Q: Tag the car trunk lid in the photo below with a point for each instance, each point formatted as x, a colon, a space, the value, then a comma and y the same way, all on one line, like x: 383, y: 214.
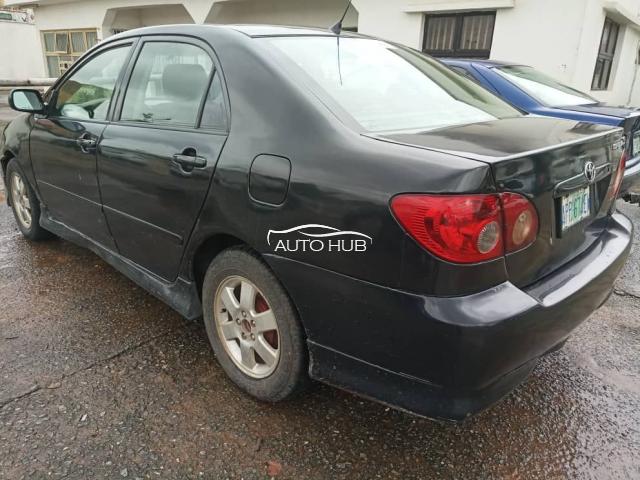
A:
x: 629, y: 119
x: 604, y: 109
x: 543, y: 159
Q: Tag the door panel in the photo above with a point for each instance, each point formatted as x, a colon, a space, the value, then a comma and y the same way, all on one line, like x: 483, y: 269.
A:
x: 63, y: 145
x: 156, y: 162
x: 151, y: 201
x: 67, y: 176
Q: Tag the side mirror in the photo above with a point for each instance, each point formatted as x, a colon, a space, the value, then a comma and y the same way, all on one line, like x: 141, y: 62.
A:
x: 26, y: 100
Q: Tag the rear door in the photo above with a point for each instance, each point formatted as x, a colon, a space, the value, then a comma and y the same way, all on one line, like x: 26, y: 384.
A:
x: 157, y: 158
x: 63, y: 143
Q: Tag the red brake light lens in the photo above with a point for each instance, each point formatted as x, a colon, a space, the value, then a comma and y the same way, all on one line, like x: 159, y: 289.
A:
x: 468, y: 228
x: 458, y: 228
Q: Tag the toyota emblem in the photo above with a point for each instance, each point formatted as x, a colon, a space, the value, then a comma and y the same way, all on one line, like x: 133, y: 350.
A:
x: 590, y: 172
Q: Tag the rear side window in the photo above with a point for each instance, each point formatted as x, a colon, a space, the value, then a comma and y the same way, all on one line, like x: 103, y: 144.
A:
x: 87, y: 93
x: 167, y: 85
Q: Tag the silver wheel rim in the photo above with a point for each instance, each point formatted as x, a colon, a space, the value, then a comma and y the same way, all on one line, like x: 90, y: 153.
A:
x: 20, y: 200
x: 247, y: 327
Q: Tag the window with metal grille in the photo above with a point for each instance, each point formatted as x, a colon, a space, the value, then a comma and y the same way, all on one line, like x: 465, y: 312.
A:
x: 468, y: 34
x: 606, y: 53
x: 63, y: 47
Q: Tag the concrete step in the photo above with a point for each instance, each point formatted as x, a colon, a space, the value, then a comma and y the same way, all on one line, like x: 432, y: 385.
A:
x: 29, y: 82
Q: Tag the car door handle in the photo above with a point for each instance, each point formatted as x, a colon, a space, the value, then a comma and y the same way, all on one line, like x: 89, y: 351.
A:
x: 86, y: 143
x: 190, y: 161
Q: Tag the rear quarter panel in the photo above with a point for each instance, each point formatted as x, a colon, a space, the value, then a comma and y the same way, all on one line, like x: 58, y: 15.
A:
x: 339, y: 178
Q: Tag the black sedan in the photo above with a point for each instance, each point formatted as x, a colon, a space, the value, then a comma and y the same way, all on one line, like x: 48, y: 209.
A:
x: 336, y: 207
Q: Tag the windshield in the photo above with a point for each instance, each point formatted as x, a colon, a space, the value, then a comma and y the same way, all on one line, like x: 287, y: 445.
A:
x: 389, y: 88
x: 544, y: 88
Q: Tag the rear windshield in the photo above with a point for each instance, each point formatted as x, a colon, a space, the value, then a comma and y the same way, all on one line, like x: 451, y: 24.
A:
x: 544, y: 88
x: 384, y: 87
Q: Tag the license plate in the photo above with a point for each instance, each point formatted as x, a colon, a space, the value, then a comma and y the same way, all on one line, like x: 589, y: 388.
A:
x: 576, y: 207
x: 636, y: 144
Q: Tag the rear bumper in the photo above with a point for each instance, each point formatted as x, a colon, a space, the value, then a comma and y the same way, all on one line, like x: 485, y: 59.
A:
x: 446, y: 357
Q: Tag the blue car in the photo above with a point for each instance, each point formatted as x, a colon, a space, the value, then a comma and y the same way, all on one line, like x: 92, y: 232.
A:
x: 536, y: 93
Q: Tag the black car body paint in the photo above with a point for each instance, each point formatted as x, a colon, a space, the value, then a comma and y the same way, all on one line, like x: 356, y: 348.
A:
x: 393, y: 322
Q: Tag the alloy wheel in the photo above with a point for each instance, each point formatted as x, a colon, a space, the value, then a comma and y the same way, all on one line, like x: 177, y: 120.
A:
x: 247, y: 327
x: 20, y: 200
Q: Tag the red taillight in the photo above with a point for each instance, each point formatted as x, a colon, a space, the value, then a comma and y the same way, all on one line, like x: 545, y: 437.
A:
x: 468, y: 228
x: 614, y: 190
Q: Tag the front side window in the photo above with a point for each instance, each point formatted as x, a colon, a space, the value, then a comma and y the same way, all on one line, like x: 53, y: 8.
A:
x: 544, y: 88
x: 87, y: 93
x: 385, y: 87
x: 167, y: 85
x: 606, y: 53
x: 467, y: 34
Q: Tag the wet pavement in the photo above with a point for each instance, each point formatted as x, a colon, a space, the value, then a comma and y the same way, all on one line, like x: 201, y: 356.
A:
x: 98, y: 379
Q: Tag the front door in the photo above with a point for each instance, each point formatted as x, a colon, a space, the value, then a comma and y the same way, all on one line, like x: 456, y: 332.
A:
x: 63, y: 143
x: 157, y: 158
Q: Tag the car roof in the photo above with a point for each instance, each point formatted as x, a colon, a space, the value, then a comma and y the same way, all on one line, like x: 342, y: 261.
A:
x: 254, y: 30
x: 249, y: 30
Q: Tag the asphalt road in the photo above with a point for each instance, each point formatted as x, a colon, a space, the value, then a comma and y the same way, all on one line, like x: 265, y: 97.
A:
x: 98, y: 379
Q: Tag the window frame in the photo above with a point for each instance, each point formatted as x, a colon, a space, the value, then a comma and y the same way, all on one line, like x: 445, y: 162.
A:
x: 199, y: 126
x: 52, y: 97
x: 69, y: 52
x: 216, y: 69
x: 456, y: 51
x: 602, y: 82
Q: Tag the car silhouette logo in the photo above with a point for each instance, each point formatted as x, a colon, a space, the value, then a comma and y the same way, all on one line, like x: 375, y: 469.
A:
x: 590, y: 172
x: 318, y: 238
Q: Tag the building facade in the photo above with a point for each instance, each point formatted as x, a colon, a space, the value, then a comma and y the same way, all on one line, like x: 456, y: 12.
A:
x: 18, y: 35
x: 592, y: 45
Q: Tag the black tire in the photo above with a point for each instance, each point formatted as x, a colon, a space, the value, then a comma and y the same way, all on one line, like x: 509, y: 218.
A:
x: 33, y: 231
x: 290, y: 375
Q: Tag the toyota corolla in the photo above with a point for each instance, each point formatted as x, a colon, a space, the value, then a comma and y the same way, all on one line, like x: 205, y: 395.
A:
x: 334, y: 206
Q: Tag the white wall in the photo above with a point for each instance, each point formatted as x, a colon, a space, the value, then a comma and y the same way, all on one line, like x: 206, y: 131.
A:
x: 129, y: 18
x: 94, y: 13
x: 386, y: 19
x: 624, y: 66
x: 541, y: 33
x: 20, y: 52
x: 624, y: 69
x: 308, y: 13
x: 558, y: 37
x: 562, y: 38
